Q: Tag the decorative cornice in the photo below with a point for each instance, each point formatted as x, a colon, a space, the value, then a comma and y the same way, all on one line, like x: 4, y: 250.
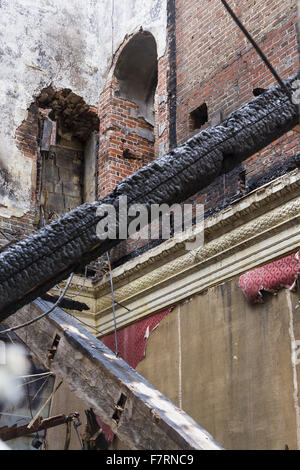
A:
x: 256, y: 229
x: 238, y: 213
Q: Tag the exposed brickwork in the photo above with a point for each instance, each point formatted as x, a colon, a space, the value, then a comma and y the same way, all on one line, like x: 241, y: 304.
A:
x: 126, y: 140
x: 216, y: 65
x: 116, y: 113
x: 207, y: 60
x: 16, y: 228
x: 27, y: 135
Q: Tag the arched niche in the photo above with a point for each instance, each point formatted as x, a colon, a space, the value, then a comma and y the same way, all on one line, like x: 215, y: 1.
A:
x: 136, y: 73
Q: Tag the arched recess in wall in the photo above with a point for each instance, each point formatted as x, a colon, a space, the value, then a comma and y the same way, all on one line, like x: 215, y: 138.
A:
x: 127, y: 114
x: 136, y: 73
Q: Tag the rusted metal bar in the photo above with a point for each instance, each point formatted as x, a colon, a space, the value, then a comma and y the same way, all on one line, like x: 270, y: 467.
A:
x: 256, y: 47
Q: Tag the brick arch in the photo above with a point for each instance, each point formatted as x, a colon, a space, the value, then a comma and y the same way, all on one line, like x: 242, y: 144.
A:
x: 127, y: 112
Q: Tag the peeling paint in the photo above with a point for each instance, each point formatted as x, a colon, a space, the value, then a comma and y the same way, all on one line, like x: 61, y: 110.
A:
x: 49, y: 43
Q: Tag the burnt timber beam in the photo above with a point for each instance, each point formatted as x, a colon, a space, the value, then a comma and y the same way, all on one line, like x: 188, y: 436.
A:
x: 141, y: 416
x: 34, y: 265
x: 69, y: 304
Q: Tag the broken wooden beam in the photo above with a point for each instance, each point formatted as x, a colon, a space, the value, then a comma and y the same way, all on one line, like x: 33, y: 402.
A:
x: 13, y: 432
x: 34, y: 265
x: 141, y: 416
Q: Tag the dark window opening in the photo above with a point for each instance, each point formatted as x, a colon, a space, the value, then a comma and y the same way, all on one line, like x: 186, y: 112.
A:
x: 199, y: 117
x: 136, y: 73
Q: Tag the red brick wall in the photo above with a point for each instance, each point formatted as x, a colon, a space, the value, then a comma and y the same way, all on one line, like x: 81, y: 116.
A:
x: 120, y: 131
x: 28, y: 133
x: 216, y: 65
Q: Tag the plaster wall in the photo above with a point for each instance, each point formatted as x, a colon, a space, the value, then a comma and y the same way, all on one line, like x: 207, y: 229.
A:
x: 66, y: 44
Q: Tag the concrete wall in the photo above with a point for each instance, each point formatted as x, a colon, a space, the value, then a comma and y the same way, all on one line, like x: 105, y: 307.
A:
x: 69, y: 45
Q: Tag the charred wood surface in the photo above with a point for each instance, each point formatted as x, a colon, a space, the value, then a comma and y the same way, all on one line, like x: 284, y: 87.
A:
x: 32, y: 266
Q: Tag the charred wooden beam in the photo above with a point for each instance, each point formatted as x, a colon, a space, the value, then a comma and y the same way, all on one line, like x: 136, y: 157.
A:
x: 137, y: 413
x: 32, y: 266
x: 69, y: 304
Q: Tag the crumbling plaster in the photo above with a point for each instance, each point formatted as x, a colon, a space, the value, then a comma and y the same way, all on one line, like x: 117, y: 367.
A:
x: 67, y: 44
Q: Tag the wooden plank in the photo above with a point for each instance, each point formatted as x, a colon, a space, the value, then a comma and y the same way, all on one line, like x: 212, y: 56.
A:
x: 141, y: 416
x: 46, y: 138
x: 13, y: 432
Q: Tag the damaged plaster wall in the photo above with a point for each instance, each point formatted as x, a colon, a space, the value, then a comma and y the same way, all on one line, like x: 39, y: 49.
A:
x: 69, y: 45
x: 230, y: 365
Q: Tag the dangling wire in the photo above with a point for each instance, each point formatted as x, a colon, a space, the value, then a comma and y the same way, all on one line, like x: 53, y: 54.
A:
x: 73, y: 296
x: 41, y: 388
x: 43, y: 314
x: 113, y: 303
x: 31, y: 382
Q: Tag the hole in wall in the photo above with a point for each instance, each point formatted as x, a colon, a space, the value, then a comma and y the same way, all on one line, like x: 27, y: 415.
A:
x: 229, y: 162
x: 258, y: 91
x: 119, y: 408
x: 199, y: 117
x: 136, y: 72
x: 66, y: 134
x: 53, y: 349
